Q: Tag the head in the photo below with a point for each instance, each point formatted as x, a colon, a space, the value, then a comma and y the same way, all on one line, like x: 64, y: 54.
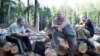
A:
x: 59, y: 15
x: 83, y: 17
x: 21, y: 21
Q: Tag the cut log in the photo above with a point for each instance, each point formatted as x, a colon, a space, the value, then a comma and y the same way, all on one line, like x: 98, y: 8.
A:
x: 85, y: 54
x: 17, y: 55
x: 2, y: 53
x: 96, y: 38
x: 97, y: 46
x: 62, y: 47
x: 7, y: 46
x: 14, y: 49
x: 32, y: 54
x: 37, y: 55
x: 92, y: 52
x: 82, y: 47
x: 63, y: 43
x: 50, y: 52
x: 47, y: 45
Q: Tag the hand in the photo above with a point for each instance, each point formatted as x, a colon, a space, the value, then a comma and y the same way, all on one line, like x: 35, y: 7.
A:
x: 79, y: 28
x: 28, y: 34
x: 54, y: 26
x: 59, y: 29
x: 76, y: 26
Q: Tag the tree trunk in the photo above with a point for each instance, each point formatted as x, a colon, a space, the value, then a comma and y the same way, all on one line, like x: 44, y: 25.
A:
x: 9, y: 12
x: 35, y: 13
x: 28, y: 11
x: 37, y: 23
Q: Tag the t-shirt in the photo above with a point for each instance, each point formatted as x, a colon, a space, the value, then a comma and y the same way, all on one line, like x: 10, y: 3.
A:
x: 89, y: 26
x: 15, y: 28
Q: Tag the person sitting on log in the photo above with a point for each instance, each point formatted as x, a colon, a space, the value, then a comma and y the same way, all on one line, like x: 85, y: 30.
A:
x: 19, y: 34
x: 63, y: 29
x: 84, y: 30
x: 85, y: 27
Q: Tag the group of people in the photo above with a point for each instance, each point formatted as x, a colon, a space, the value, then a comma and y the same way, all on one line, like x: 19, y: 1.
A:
x: 61, y: 27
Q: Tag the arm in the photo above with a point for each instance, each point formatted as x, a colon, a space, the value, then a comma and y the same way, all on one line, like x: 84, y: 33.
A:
x: 64, y: 23
x: 20, y: 34
x: 53, y: 24
x: 15, y: 31
x: 81, y: 24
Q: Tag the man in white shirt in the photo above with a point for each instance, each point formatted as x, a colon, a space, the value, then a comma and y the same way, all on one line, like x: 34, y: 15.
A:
x: 17, y: 30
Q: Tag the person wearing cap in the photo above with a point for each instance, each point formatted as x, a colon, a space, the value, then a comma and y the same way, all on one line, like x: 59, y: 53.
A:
x: 84, y: 28
x: 63, y: 29
x: 17, y: 30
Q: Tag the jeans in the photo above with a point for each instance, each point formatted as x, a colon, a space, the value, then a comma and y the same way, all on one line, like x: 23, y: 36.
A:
x: 71, y: 41
x: 19, y: 41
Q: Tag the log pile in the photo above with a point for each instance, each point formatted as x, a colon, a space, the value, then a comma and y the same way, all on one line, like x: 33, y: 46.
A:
x: 83, y: 49
x: 10, y: 48
x: 62, y: 50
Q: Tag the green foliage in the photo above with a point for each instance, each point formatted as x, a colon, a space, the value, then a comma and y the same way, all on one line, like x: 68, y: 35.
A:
x: 17, y: 7
x: 47, y: 14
